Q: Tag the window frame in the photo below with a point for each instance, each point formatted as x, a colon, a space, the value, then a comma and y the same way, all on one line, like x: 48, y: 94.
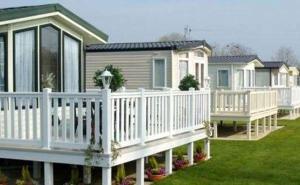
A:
x: 242, y: 71
x: 153, y: 71
x: 218, y: 84
x: 36, y: 45
x: 64, y: 33
x: 60, y: 51
x: 4, y: 35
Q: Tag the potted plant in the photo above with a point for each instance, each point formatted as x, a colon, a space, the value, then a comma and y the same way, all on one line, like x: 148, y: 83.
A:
x: 121, y: 178
x: 26, y: 178
x: 199, y: 154
x: 3, y: 179
x: 180, y: 162
x: 155, y: 172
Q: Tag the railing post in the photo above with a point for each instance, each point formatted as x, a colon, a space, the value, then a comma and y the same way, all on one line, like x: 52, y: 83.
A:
x: 215, y: 101
x: 46, y: 117
x: 171, y: 113
x: 106, y: 121
x: 249, y: 101
x: 142, y: 118
x: 192, y: 110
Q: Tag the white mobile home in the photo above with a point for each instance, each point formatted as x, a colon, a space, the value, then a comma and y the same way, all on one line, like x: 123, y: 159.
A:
x: 232, y: 72
x: 231, y: 101
x: 42, y: 46
x: 150, y: 65
x: 272, y: 74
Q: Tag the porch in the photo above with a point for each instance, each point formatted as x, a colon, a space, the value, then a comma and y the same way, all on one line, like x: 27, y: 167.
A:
x: 246, y: 107
x: 53, y: 127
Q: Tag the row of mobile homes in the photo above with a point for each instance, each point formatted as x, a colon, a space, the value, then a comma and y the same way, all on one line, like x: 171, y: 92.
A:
x: 283, y: 79
x: 232, y: 77
x: 150, y: 65
x: 46, y: 117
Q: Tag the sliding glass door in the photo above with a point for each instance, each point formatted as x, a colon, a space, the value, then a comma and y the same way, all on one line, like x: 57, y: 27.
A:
x: 2, y: 63
x: 25, y: 61
x: 71, y: 64
x: 50, y: 58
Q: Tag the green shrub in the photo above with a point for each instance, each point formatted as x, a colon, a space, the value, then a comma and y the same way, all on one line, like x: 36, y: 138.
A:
x: 117, y: 81
x: 153, y: 163
x: 25, y: 177
x: 121, y: 174
x: 187, y: 82
x: 74, y: 179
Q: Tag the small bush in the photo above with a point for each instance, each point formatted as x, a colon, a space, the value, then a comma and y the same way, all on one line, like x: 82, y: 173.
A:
x: 120, y: 174
x: 187, y: 82
x: 117, y: 81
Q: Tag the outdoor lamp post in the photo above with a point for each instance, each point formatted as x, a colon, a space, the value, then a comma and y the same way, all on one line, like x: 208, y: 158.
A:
x: 106, y: 77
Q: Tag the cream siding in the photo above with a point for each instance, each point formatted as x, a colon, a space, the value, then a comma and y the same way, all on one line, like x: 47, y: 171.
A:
x: 137, y: 66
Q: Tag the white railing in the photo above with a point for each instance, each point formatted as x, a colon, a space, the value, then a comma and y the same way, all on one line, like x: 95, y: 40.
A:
x: 286, y: 96
x: 242, y: 102
x: 70, y: 120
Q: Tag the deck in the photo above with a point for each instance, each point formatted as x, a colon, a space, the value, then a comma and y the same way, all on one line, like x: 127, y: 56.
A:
x: 55, y: 127
x: 244, y: 106
x: 288, y: 99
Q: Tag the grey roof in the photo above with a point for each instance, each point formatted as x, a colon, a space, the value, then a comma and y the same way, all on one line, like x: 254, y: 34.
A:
x: 233, y: 59
x: 274, y: 64
x: 27, y: 11
x: 140, y: 46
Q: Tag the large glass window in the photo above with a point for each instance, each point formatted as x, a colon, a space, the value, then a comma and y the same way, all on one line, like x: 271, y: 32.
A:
x: 159, y: 73
x: 24, y: 61
x: 223, y: 78
x: 71, y: 64
x: 183, y: 68
x: 2, y: 63
x: 50, y: 60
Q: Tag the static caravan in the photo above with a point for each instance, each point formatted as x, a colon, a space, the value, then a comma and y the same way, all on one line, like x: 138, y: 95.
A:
x: 273, y: 74
x: 278, y: 76
x: 150, y: 65
x: 233, y: 101
x: 233, y: 72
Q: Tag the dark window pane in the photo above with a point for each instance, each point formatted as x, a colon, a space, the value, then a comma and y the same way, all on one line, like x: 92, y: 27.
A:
x: 50, y: 63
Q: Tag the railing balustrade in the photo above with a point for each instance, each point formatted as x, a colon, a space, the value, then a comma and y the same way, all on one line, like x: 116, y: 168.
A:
x: 70, y: 120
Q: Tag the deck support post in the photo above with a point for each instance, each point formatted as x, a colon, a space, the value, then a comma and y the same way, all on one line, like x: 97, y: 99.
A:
x: 169, y: 161
x: 87, y: 175
x: 106, y: 176
x: 256, y: 128
x: 191, y: 153
x: 207, y: 148
x: 264, y: 125
x: 48, y: 173
x: 249, y: 130
x: 291, y: 114
x: 46, y: 118
x: 234, y: 126
x: 36, y: 170
x: 215, y: 129
x: 140, y: 171
x: 275, y: 121
x: 270, y: 123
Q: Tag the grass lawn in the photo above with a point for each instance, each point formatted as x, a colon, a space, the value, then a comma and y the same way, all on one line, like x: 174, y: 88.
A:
x: 274, y: 159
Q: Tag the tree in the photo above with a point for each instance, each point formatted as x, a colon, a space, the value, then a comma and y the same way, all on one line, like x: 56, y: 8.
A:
x: 231, y: 49
x: 117, y: 81
x: 172, y: 37
x: 187, y: 82
x: 287, y: 55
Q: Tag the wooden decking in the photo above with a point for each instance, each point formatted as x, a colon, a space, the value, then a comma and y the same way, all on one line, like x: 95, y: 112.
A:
x: 244, y: 106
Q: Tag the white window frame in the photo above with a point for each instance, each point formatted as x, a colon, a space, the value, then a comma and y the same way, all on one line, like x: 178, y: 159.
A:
x: 153, y: 71
x: 229, y: 83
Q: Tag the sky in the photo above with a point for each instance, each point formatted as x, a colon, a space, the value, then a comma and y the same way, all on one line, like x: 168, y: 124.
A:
x: 262, y: 25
